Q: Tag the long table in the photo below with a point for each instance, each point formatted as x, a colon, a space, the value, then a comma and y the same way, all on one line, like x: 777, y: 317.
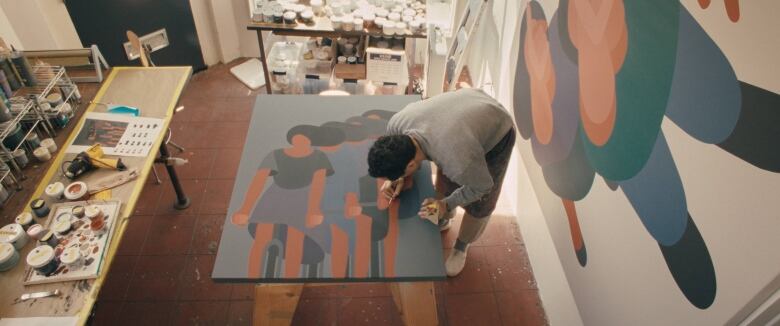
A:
x: 155, y: 91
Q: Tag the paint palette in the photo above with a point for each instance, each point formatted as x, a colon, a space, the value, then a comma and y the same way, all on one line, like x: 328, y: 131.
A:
x: 92, y: 245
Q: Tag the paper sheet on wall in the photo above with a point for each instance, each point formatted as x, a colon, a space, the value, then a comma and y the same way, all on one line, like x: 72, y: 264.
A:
x: 118, y: 134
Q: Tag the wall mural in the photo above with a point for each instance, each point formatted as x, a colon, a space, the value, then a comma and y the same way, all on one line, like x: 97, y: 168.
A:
x: 591, y: 90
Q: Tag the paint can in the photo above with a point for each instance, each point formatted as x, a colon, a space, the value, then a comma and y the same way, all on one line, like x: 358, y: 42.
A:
x: 49, y: 239
x: 32, y: 140
x: 5, y: 112
x: 9, y: 257
x: 68, y: 89
x: 55, y: 99
x: 62, y: 225
x: 5, y: 86
x: 24, y: 219
x: 10, y: 73
x: 39, y: 208
x: 42, y: 154
x: 14, y: 234
x: 49, y: 144
x: 97, y: 220
x: 20, y: 156
x: 55, y: 190
x: 78, y: 211
x: 36, y: 231
x: 24, y: 68
x: 15, y: 136
x: 72, y: 258
x: 42, y: 260
x: 76, y: 191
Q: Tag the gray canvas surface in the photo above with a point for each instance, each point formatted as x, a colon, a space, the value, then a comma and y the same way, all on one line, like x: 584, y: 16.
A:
x: 297, y: 145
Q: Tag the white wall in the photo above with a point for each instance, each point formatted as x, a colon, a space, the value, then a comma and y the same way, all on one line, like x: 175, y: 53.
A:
x: 206, y: 29
x: 7, y: 31
x: 734, y: 204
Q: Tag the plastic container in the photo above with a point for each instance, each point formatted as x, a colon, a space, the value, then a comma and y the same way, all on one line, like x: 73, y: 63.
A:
x: 14, y: 234
x: 394, y: 17
x: 400, y: 28
x: 9, y: 257
x: 20, y: 157
x: 49, y: 144
x: 39, y: 208
x: 76, y: 191
x: 72, y: 258
x: 62, y: 226
x: 25, y: 219
x: 32, y: 140
x: 284, y: 62
x: 54, y: 99
x: 15, y: 136
x: 42, y: 260
x: 42, y: 154
x: 308, y: 17
x: 358, y: 24
x: 55, y: 190
x: 289, y: 17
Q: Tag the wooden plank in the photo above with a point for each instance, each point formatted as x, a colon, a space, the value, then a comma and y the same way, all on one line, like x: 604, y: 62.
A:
x: 275, y: 304
x: 156, y: 91
x: 416, y: 301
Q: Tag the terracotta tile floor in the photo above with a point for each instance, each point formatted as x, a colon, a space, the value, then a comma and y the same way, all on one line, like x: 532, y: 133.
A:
x: 161, y: 275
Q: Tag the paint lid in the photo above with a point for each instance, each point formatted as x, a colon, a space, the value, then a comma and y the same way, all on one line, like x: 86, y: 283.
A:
x: 307, y: 14
x: 394, y: 16
x: 19, y: 152
x: 40, y: 256
x: 6, y: 252
x: 92, y: 211
x: 409, y: 12
x: 56, y: 188
x: 62, y: 225
x: 54, y: 97
x: 70, y: 255
x: 289, y: 15
x: 24, y: 218
x: 11, y: 233
x: 78, y: 211
x: 38, y: 203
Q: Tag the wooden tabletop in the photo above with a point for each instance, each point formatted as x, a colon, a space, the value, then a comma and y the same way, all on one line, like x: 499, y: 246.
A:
x: 155, y: 91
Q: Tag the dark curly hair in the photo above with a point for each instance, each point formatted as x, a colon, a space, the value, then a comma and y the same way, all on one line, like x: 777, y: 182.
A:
x: 389, y: 156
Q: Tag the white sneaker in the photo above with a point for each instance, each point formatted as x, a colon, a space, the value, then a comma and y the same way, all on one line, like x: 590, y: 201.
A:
x: 455, y: 262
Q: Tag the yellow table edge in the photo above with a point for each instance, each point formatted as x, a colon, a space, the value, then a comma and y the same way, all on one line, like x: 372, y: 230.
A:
x: 141, y: 181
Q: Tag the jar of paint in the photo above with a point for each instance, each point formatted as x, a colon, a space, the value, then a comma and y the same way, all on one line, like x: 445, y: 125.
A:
x: 42, y: 154
x: 39, y: 208
x: 317, y: 7
x: 381, y: 13
x: 15, y: 136
x: 394, y: 17
x: 352, y: 60
x: 14, y: 234
x: 42, y: 260
x: 289, y: 17
x: 97, y: 219
x: 9, y: 256
x: 76, y: 191
x: 49, y: 239
x: 36, y: 232
x: 32, y: 140
x: 416, y: 26
x: 388, y: 28
x: 25, y: 219
x: 55, y: 190
x: 347, y: 23
x: 72, y: 258
x: 55, y: 99
x: 368, y: 20
x: 298, y: 9
x: 268, y: 15
x: 5, y: 112
x: 400, y: 28
x: 49, y: 144
x: 20, y: 157
x: 78, y: 211
x: 336, y: 22
x: 357, y: 24
x: 341, y: 59
x: 62, y: 226
x: 308, y: 17
x: 278, y: 17
x: 45, y: 106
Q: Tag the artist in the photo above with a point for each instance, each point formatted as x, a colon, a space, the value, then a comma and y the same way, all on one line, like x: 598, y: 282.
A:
x: 469, y: 136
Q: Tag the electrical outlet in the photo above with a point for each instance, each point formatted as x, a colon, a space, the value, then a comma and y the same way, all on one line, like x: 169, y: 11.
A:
x: 155, y: 40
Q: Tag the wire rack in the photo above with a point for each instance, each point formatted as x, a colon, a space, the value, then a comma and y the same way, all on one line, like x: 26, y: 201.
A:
x: 31, y: 109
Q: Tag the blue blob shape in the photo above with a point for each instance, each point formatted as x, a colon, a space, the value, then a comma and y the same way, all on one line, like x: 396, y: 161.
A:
x: 705, y: 97
x: 565, y: 106
x: 582, y: 255
x: 571, y: 178
x: 658, y: 197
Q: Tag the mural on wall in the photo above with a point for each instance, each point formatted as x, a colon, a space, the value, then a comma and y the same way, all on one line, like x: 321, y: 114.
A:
x: 591, y: 90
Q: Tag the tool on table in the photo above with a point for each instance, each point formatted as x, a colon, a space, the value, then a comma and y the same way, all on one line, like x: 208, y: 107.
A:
x: 113, y: 180
x: 90, y: 159
x: 36, y: 295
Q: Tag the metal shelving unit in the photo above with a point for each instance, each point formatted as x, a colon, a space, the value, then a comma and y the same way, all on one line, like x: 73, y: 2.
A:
x: 31, y: 111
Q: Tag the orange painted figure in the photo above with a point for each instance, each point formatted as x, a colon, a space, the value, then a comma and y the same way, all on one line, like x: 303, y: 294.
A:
x: 293, y: 199
x: 542, y: 77
x: 598, y: 30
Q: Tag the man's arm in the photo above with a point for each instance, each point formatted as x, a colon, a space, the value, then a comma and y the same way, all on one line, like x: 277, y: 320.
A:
x: 475, y: 182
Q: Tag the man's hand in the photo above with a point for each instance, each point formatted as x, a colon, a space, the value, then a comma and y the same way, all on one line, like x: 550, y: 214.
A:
x: 433, y: 210
x: 391, y: 189
x: 240, y: 218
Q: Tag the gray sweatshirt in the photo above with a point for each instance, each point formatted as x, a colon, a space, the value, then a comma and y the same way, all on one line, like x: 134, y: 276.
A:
x: 455, y: 130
